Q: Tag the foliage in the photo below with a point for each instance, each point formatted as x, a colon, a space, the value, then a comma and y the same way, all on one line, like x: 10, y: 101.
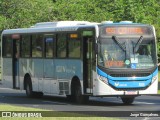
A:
x: 24, y: 13
x: 116, y: 10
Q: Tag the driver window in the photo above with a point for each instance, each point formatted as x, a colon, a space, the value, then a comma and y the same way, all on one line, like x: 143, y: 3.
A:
x: 143, y: 50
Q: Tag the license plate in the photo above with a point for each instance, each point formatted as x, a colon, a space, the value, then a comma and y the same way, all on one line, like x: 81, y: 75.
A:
x: 131, y: 92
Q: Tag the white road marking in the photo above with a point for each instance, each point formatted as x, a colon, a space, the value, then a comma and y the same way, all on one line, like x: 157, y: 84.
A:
x: 35, y: 105
x: 54, y: 102
x: 145, y: 103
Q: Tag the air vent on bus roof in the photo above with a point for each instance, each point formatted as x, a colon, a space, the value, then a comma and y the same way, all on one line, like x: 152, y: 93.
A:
x: 61, y: 23
x: 107, y: 22
x: 45, y: 24
x: 71, y: 23
x: 125, y: 22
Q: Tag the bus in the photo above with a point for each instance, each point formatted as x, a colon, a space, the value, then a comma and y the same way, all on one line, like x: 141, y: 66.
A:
x: 79, y: 59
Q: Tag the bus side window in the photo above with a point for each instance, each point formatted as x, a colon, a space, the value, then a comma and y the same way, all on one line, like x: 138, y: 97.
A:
x: 61, y: 45
x: 25, y: 46
x: 74, y: 48
x: 37, y: 45
x: 49, y: 46
x: 7, y: 47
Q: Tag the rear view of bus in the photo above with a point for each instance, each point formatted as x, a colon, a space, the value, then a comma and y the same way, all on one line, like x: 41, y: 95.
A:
x: 126, y: 61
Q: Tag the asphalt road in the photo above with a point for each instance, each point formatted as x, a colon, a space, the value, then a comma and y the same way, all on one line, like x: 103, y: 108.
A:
x: 99, y: 105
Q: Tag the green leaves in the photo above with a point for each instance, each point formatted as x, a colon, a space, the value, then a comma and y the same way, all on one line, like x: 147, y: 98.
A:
x: 22, y: 13
x: 25, y: 13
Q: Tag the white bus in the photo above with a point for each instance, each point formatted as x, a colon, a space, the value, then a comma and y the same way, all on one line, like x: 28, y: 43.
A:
x: 79, y: 59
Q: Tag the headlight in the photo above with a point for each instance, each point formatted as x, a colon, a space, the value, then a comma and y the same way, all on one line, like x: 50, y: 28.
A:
x: 103, y: 79
x: 154, y: 78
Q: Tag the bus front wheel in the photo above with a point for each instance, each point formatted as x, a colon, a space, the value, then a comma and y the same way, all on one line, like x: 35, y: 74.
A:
x: 79, y: 98
x: 127, y: 100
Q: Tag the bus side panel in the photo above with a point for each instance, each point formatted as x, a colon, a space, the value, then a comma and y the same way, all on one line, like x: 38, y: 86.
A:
x: 7, y: 73
x: 25, y: 67
x: 68, y: 68
x: 65, y: 70
x: 50, y: 84
x: 34, y: 67
x: 21, y: 72
x: 37, y: 78
x: 75, y: 69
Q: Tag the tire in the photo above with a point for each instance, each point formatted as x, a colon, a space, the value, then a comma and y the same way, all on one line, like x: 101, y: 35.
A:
x: 78, y: 97
x: 38, y: 94
x: 29, y: 91
x: 70, y: 98
x: 127, y: 100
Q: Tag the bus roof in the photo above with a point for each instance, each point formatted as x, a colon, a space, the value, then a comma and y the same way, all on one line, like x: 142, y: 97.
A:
x: 64, y: 26
x: 51, y: 26
x: 110, y: 23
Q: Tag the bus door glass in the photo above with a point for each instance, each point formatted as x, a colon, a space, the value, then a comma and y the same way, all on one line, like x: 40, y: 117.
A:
x: 88, y: 60
x: 49, y: 82
x: 15, y: 58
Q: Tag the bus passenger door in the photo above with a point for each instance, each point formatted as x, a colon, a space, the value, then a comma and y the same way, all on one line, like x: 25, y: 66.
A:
x: 15, y: 59
x: 88, y: 62
x: 49, y: 81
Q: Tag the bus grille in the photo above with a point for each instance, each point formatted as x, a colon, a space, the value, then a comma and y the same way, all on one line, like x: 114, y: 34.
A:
x: 130, y: 75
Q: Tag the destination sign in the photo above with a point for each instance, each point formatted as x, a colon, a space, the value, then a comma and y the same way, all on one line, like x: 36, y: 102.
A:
x: 114, y: 30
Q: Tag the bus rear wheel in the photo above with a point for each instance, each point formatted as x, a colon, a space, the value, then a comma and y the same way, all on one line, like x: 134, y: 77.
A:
x: 29, y: 91
x: 127, y: 100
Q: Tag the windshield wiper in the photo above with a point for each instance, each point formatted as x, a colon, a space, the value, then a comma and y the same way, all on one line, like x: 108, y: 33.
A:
x: 117, y: 41
x: 135, y: 48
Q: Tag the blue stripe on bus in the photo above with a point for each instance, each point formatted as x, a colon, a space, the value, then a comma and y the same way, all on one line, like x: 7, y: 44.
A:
x: 100, y: 72
x: 155, y: 72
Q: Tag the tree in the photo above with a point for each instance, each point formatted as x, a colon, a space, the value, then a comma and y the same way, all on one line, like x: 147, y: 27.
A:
x: 25, y: 13
x: 22, y: 13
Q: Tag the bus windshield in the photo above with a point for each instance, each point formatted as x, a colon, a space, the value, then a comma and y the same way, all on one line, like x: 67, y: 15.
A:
x: 127, y: 52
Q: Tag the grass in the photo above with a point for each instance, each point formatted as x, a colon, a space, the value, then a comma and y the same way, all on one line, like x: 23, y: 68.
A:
x: 61, y: 115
